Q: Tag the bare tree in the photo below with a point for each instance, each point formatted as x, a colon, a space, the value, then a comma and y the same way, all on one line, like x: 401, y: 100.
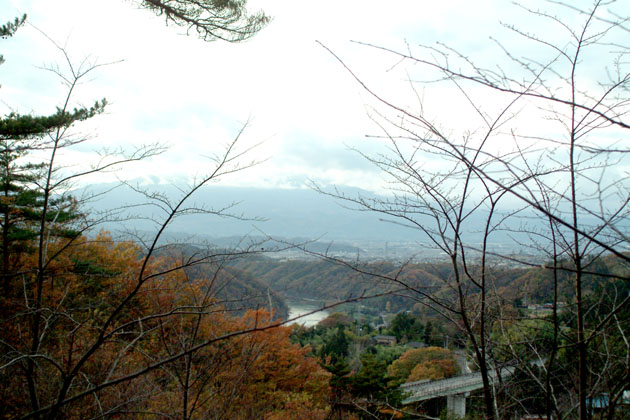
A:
x: 546, y: 145
x: 77, y: 327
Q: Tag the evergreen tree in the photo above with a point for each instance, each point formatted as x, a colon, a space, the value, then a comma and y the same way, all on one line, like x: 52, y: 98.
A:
x: 21, y: 206
x: 405, y: 326
x: 227, y: 20
x: 23, y: 196
x: 337, y: 346
x: 428, y: 334
x: 8, y: 29
x: 374, y: 388
x: 340, y: 387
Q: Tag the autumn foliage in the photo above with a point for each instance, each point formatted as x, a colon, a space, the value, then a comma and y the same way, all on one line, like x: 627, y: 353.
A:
x: 123, y: 336
x: 424, y: 363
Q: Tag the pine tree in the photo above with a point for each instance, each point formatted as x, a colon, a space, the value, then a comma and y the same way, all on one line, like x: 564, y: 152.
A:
x: 22, y: 197
x: 374, y: 389
x: 21, y: 204
x: 336, y: 347
x: 8, y: 29
x: 340, y: 387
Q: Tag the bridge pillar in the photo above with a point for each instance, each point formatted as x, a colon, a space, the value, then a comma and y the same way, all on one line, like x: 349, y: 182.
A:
x: 456, y: 404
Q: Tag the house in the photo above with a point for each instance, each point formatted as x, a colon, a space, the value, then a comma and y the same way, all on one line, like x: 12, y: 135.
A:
x: 385, y: 340
x: 598, y: 403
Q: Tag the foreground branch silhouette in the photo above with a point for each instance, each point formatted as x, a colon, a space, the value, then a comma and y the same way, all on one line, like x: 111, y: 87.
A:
x: 540, y: 162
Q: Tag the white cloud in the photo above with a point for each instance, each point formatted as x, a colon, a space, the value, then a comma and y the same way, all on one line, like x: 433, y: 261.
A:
x: 194, y: 95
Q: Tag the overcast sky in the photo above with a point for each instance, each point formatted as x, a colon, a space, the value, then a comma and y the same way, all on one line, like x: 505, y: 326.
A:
x: 302, y: 105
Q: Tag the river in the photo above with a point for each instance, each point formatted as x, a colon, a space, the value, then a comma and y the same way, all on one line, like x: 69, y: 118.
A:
x: 301, y: 307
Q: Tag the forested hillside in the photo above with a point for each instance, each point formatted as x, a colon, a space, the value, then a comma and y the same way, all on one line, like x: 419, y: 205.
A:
x: 239, y: 289
x: 331, y: 281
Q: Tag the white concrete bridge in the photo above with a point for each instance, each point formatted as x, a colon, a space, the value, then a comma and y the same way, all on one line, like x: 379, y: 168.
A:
x: 454, y: 389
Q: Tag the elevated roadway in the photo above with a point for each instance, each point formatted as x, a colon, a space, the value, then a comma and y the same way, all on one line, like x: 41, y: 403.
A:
x: 455, y: 389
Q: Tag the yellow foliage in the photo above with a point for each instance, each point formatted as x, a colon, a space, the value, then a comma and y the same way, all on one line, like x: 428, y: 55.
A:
x: 432, y: 362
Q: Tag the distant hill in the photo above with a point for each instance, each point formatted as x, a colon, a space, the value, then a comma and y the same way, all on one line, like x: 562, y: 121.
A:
x: 331, y: 282
x: 328, y: 281
x: 259, y: 281
x: 297, y: 215
x: 234, y: 288
x: 287, y: 213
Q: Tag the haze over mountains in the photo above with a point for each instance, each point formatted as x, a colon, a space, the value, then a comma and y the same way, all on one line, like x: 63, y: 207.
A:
x: 277, y: 212
x: 287, y: 214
